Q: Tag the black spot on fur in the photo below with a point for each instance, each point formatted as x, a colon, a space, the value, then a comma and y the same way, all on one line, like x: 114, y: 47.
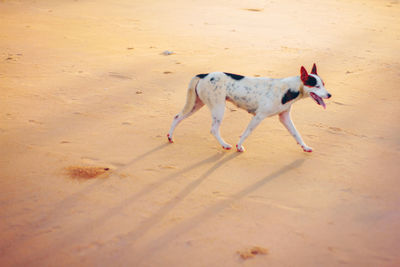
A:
x: 311, y: 81
x: 234, y: 76
x: 289, y: 95
x: 251, y: 111
x: 201, y: 76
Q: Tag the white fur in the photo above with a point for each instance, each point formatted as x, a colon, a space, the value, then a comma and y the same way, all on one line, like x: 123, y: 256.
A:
x: 261, y: 97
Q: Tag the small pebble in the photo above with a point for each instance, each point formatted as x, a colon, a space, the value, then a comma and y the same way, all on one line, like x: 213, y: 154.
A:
x: 168, y: 53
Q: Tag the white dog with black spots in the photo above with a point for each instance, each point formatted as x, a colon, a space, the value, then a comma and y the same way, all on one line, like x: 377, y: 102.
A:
x: 261, y: 96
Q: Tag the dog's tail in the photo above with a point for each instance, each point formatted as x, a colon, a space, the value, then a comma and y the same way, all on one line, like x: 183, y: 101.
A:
x: 191, y: 96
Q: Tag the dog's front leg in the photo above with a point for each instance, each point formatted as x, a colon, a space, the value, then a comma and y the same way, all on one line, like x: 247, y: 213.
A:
x: 286, y: 120
x: 252, y: 125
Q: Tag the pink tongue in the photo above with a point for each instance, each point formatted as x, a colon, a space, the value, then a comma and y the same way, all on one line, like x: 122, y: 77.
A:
x: 318, y: 100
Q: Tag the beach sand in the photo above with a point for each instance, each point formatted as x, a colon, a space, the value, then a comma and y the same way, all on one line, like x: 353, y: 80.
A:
x: 88, y: 177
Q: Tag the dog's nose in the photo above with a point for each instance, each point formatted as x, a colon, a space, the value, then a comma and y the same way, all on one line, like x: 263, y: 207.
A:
x: 329, y: 95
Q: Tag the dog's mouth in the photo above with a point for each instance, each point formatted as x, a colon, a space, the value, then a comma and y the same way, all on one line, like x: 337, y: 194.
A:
x: 318, y: 99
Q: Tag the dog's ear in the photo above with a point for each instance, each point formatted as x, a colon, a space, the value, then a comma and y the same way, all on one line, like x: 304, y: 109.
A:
x: 314, y: 69
x: 303, y: 74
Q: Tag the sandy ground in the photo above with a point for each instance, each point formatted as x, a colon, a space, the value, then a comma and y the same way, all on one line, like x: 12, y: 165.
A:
x: 84, y: 84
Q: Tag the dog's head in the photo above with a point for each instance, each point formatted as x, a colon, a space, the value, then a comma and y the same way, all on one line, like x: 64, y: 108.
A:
x: 314, y: 86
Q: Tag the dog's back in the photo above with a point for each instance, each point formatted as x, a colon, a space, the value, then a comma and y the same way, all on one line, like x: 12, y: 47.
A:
x: 248, y: 93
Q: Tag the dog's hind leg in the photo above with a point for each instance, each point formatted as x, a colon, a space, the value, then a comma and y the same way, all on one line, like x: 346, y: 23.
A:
x: 193, y: 103
x: 286, y: 120
x: 181, y: 116
x: 217, y: 113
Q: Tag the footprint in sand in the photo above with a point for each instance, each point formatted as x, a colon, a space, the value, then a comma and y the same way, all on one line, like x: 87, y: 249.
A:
x: 12, y: 57
x: 252, y: 252
x: 170, y: 167
x: 119, y: 76
x: 338, y: 103
x: 35, y: 122
x: 253, y: 9
x: 336, y: 129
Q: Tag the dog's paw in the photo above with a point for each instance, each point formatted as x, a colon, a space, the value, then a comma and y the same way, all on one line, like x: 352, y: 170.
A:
x: 307, y: 149
x: 239, y: 149
x: 227, y: 147
x: 170, y: 139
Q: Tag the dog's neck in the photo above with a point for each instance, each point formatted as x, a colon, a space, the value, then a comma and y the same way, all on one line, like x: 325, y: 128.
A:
x: 300, y: 87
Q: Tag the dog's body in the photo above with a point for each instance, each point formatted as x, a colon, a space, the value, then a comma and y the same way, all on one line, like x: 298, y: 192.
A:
x: 262, y: 97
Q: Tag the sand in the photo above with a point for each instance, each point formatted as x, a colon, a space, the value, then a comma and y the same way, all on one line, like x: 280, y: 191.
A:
x: 88, y: 84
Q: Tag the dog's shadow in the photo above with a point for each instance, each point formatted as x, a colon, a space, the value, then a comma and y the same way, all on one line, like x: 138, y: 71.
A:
x: 164, y: 210
x: 87, y: 227
x: 130, y: 238
x: 61, y: 209
x: 207, y: 214
x: 122, y: 167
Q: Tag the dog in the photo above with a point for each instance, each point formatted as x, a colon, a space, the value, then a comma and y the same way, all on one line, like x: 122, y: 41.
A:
x: 261, y: 96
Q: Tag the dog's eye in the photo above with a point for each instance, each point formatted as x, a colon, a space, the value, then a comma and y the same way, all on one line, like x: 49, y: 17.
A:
x: 317, y: 86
